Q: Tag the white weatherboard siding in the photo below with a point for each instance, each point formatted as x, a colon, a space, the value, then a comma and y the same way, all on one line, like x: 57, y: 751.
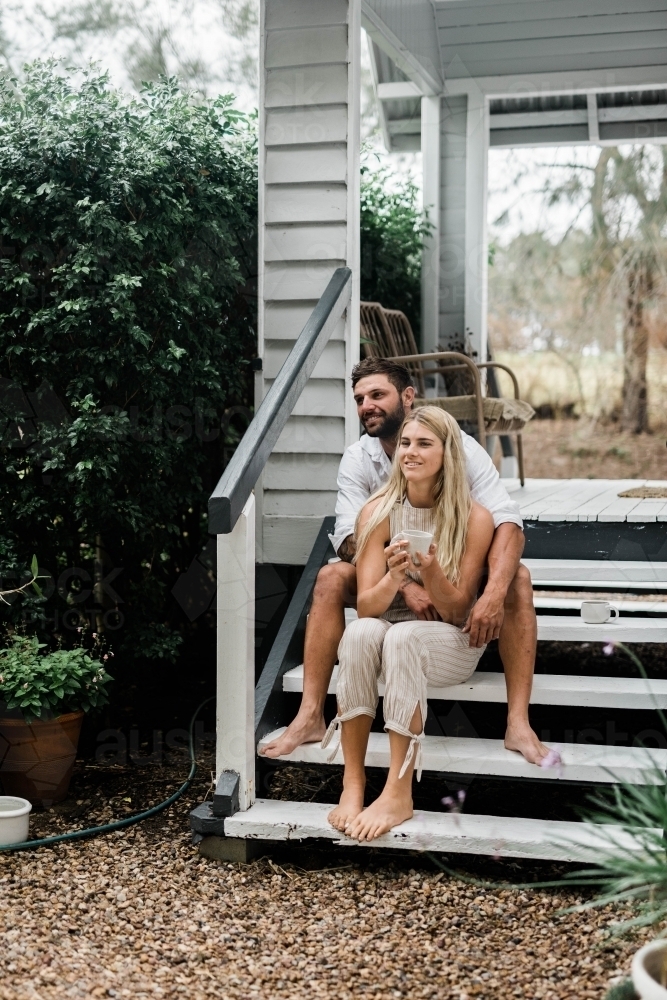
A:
x: 309, y: 205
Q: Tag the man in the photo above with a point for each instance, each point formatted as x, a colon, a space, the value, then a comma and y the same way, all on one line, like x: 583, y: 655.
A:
x: 384, y: 393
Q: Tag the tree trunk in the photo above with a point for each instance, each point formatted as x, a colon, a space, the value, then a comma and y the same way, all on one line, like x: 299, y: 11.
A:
x: 635, y: 352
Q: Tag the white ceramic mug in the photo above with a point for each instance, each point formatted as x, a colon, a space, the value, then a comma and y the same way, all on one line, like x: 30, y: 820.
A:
x: 598, y: 612
x: 419, y: 542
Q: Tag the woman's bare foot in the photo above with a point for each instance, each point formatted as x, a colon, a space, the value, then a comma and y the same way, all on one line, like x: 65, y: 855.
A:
x: 392, y: 807
x: 305, y: 728
x: 350, y: 805
x: 520, y: 737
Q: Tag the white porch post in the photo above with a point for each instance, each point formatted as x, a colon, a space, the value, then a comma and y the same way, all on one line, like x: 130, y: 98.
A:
x: 430, y: 140
x: 476, y: 241
x: 235, y: 725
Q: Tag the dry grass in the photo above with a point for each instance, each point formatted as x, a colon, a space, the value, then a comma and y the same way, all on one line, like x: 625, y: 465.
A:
x: 585, y: 449
x: 586, y: 386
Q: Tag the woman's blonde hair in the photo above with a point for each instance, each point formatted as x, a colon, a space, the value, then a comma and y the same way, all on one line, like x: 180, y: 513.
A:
x: 452, y: 500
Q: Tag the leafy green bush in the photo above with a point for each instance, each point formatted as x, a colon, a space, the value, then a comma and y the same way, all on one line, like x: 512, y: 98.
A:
x: 127, y: 268
x: 392, y: 233
x: 45, y: 685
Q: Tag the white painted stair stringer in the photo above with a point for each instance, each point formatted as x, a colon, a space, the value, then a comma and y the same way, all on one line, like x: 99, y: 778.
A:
x: 591, y: 763
x: 273, y: 819
x: 548, y: 689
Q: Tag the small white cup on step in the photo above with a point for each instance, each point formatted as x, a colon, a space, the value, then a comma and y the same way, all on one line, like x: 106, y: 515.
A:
x: 419, y: 542
x: 598, y: 612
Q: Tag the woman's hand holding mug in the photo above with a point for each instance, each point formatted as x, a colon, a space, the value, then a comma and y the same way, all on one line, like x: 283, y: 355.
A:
x: 398, y: 560
x: 423, y: 560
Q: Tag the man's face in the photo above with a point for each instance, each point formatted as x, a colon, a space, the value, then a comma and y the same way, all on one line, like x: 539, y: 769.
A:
x: 380, y: 406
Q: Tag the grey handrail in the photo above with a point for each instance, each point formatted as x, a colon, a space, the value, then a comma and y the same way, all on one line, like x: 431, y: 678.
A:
x: 239, y: 478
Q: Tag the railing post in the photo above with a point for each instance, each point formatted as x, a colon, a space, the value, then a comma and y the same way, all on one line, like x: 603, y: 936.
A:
x: 235, y: 744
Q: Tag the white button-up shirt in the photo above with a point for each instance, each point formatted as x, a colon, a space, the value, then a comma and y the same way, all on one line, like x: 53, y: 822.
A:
x: 365, y: 467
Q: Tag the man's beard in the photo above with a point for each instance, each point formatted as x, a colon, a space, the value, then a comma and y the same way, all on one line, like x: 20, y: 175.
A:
x: 390, y: 426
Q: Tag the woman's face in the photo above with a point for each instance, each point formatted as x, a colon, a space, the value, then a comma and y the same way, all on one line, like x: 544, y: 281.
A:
x: 420, y: 453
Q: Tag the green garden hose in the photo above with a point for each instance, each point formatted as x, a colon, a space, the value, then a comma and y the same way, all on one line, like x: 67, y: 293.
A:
x: 92, y: 831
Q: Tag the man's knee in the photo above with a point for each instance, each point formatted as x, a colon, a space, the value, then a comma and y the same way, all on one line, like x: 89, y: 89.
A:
x: 335, y: 582
x: 520, y: 591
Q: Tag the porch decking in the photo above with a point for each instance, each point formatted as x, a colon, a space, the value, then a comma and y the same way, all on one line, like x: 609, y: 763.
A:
x: 588, y: 500
x: 585, y: 521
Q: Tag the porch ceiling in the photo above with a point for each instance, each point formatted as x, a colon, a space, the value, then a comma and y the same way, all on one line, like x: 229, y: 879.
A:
x: 613, y: 63
x: 482, y: 39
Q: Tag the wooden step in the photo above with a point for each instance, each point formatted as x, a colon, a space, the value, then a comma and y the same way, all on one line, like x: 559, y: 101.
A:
x: 596, y: 573
x: 499, y: 836
x: 545, y: 602
x: 572, y: 628
x: 548, y: 689
x: 590, y: 763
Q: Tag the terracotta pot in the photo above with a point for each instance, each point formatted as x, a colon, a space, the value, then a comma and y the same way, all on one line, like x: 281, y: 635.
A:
x: 37, y: 758
x: 646, y: 966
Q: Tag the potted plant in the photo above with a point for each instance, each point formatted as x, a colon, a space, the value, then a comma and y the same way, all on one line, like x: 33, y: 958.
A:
x: 44, y: 695
x: 649, y: 971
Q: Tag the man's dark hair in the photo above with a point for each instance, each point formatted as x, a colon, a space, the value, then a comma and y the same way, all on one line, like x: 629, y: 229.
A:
x: 399, y: 376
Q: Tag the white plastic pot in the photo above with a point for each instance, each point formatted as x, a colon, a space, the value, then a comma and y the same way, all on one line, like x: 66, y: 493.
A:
x: 646, y: 967
x: 14, y: 819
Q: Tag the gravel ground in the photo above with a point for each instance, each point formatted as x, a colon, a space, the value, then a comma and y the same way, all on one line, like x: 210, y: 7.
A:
x: 141, y: 914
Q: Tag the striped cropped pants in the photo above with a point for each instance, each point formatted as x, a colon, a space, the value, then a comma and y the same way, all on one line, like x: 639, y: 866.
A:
x: 407, y: 656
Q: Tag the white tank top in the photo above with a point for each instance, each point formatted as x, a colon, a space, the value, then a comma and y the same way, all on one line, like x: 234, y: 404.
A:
x: 402, y: 518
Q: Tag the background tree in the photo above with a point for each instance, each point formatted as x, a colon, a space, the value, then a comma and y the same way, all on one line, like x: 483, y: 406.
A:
x: 626, y: 259
x: 208, y: 44
x: 589, y: 294
x: 126, y: 328
x: 629, y: 207
x: 392, y: 231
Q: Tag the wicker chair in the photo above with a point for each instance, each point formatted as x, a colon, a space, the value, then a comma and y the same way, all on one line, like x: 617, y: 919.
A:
x: 386, y: 333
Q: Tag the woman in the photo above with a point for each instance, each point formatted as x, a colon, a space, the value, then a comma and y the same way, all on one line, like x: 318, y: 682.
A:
x: 428, y: 491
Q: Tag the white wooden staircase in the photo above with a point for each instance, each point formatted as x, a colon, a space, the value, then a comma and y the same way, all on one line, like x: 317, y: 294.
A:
x: 461, y: 757
x: 249, y: 713
x: 511, y: 837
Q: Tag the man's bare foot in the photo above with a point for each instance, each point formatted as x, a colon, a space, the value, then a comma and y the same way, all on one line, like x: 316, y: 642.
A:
x: 350, y: 805
x: 385, y: 813
x: 303, y: 729
x: 520, y: 737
